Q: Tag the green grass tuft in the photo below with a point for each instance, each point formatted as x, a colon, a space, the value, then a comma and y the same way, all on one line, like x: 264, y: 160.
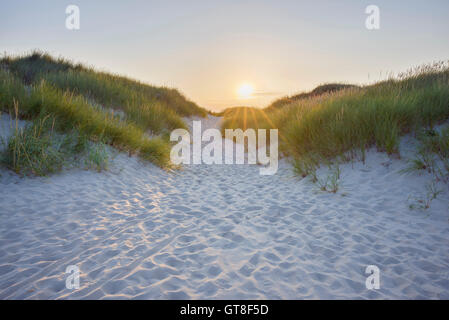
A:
x: 34, y: 150
x: 97, y: 157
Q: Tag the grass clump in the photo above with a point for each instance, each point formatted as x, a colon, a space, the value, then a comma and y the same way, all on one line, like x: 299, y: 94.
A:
x: 423, y: 203
x: 34, y: 150
x: 432, y: 154
x: 331, y: 182
x: 157, y: 151
x: 97, y: 157
x: 37, y: 149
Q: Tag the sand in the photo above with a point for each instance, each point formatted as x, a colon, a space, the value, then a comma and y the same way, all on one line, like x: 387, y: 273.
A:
x: 221, y: 232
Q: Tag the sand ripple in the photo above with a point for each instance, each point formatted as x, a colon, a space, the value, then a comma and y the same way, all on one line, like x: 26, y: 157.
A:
x: 219, y: 232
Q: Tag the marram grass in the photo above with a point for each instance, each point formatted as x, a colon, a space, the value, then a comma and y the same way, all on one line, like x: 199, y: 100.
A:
x: 79, y: 99
x: 344, y: 124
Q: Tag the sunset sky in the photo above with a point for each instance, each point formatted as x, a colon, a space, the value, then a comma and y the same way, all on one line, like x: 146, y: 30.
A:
x: 230, y: 53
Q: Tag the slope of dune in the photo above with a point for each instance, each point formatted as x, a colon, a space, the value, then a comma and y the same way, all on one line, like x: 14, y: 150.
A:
x: 87, y: 106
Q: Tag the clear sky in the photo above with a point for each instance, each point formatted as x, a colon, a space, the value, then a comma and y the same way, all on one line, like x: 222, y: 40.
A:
x: 210, y: 49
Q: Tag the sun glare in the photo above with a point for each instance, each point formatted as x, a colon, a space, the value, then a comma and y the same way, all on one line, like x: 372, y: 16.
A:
x: 245, y: 91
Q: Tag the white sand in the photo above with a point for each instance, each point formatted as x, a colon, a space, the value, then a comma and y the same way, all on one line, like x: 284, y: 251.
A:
x: 221, y: 231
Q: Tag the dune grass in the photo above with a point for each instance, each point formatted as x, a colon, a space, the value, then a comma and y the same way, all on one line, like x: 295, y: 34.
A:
x: 432, y: 154
x: 34, y: 150
x: 73, y: 112
x: 346, y: 123
x: 97, y: 157
x: 156, y: 109
x: 318, y: 91
x: 77, y: 99
x: 39, y: 150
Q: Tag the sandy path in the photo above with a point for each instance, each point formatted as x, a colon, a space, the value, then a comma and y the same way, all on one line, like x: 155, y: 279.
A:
x: 220, y: 231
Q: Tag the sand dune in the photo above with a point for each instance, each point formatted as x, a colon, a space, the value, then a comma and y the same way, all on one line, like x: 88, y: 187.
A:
x: 221, y: 231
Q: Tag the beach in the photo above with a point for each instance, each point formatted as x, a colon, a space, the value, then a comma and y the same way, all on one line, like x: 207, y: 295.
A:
x: 136, y: 231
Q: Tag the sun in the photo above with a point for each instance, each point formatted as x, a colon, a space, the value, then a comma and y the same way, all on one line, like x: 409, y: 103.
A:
x: 245, y: 91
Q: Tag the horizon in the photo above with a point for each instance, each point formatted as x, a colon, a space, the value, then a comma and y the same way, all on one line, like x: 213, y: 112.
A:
x: 267, y: 50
